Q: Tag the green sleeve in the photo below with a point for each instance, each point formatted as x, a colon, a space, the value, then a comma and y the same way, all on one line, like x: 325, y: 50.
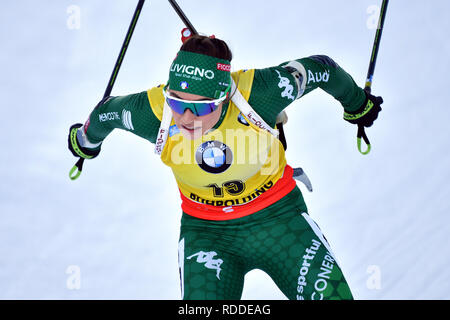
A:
x: 275, y: 88
x: 131, y: 113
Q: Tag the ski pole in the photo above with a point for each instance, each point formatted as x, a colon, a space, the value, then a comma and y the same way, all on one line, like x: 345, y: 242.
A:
x: 182, y: 16
x: 368, y: 85
x: 75, y: 172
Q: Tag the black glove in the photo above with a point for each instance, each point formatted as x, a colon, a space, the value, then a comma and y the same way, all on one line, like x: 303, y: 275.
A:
x: 74, y: 145
x: 367, y: 114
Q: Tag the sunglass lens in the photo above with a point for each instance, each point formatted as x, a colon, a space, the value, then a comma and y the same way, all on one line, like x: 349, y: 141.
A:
x: 199, y: 109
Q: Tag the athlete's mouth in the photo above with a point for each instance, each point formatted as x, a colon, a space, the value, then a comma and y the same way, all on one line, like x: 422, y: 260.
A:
x: 191, y: 128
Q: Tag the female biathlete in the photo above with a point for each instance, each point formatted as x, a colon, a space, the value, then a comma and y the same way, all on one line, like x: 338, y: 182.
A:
x: 241, y: 207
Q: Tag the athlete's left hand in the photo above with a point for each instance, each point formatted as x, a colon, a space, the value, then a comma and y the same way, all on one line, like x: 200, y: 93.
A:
x: 368, y: 112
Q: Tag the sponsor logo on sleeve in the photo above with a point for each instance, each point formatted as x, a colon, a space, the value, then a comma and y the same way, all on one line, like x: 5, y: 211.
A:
x: 317, y: 77
x: 108, y: 116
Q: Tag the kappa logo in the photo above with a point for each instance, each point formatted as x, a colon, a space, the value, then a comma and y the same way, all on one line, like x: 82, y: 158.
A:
x: 126, y: 120
x: 286, y: 84
x: 207, y: 259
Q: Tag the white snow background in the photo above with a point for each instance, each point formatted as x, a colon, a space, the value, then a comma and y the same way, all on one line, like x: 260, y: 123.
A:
x: 115, y: 229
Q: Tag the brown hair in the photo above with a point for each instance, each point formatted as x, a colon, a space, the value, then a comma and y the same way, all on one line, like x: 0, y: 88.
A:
x: 210, y: 46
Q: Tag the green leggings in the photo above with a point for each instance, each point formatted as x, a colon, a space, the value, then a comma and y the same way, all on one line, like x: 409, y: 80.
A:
x: 281, y: 240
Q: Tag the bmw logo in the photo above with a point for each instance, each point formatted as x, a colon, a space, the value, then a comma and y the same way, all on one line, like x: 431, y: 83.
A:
x: 214, y: 156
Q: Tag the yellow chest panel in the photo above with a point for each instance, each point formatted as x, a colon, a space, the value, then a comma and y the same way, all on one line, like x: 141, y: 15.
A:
x: 234, y: 163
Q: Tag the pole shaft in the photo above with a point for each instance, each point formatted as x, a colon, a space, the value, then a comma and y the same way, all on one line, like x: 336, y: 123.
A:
x: 75, y: 172
x: 376, y: 46
x: 123, y: 50
x: 182, y: 16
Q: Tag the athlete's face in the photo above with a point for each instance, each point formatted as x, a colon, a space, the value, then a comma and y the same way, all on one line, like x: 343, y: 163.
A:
x: 190, y: 125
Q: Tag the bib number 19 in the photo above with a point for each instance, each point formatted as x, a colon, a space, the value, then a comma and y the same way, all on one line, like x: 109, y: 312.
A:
x: 233, y: 187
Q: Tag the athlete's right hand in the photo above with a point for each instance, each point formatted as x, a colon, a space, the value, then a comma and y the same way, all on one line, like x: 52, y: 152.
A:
x: 76, y: 147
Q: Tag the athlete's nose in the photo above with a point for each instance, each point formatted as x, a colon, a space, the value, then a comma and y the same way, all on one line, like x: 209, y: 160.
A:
x: 188, y: 117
